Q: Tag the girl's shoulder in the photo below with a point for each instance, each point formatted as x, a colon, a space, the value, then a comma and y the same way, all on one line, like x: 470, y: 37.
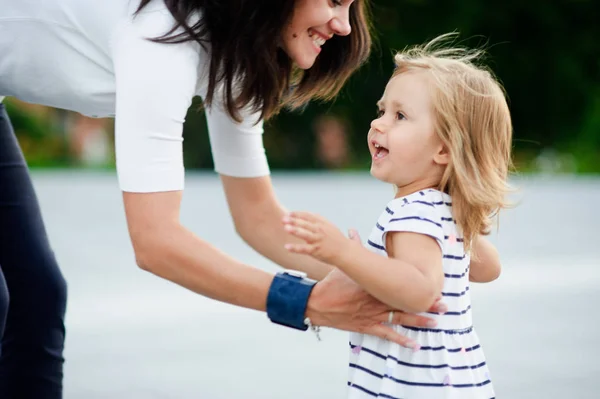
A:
x: 424, y: 198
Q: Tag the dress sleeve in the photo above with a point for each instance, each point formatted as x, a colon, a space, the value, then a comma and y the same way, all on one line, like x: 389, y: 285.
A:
x: 419, y: 217
x: 155, y: 84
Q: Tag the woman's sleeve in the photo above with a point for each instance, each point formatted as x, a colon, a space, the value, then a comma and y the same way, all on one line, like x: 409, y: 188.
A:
x: 155, y: 84
x: 237, y: 148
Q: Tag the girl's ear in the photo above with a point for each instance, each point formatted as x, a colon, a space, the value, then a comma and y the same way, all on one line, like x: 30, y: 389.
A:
x: 442, y: 156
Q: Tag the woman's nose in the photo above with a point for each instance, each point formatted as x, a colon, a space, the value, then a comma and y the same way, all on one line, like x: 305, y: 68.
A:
x: 340, y: 24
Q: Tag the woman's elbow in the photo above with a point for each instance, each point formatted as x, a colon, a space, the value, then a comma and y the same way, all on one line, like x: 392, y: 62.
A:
x: 145, y: 251
x: 251, y: 226
x: 244, y: 227
x: 143, y: 261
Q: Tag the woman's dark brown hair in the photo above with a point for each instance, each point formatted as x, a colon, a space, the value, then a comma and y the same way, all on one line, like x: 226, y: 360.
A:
x: 242, y: 39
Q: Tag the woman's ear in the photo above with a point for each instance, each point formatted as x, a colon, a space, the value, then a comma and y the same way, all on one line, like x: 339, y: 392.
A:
x: 442, y: 156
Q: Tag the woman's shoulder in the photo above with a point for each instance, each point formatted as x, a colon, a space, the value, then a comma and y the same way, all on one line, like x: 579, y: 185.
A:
x: 154, y: 19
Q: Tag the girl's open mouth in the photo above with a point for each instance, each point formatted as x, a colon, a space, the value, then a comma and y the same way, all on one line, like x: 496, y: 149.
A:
x: 380, y: 151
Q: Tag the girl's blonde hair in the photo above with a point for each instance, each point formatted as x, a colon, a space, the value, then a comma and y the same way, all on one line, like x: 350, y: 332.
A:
x: 473, y: 121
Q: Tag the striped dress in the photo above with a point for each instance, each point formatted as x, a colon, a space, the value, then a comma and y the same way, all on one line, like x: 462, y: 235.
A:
x: 450, y: 363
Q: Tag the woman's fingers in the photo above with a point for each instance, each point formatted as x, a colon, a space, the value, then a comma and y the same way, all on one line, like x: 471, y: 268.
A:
x: 412, y: 320
x: 386, y: 332
x: 439, y: 307
x: 406, y: 319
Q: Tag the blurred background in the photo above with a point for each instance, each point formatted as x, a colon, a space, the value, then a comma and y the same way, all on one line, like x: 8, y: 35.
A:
x: 545, y: 53
x: 131, y: 335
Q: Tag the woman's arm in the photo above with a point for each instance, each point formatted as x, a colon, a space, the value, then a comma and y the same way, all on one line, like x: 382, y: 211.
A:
x: 165, y: 248
x: 485, y: 262
x: 411, y: 279
x: 257, y: 217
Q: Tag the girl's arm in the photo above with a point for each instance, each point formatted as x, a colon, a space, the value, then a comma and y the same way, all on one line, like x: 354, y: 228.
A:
x: 410, y: 279
x: 485, y: 262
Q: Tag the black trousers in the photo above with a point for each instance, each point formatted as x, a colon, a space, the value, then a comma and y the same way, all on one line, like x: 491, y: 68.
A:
x: 33, y: 292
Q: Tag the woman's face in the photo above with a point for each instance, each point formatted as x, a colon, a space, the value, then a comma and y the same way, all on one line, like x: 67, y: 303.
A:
x: 312, y: 24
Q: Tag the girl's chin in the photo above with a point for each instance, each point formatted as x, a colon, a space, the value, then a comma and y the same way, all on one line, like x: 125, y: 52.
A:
x: 381, y: 176
x: 377, y: 174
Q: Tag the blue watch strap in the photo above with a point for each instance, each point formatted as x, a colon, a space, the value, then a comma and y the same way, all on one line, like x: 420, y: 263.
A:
x: 288, y: 297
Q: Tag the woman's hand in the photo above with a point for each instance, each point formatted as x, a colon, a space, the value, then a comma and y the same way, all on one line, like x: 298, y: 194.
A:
x: 322, y: 240
x: 338, y: 302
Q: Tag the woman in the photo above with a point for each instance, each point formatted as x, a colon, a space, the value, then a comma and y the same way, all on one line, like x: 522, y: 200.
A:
x: 143, y: 63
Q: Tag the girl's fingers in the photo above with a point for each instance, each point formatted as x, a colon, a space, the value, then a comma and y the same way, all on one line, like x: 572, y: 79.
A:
x: 301, y: 233
x: 309, y: 217
x: 299, y: 248
x: 354, y: 236
x: 303, y: 223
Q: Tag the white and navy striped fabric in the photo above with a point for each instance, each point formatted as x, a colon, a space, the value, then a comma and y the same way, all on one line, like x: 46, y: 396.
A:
x: 450, y: 363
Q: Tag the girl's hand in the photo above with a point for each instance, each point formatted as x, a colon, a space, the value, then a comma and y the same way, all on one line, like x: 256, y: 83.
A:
x: 322, y: 239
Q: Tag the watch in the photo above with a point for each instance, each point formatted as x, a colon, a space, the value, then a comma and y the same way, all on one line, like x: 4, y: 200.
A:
x: 288, y: 297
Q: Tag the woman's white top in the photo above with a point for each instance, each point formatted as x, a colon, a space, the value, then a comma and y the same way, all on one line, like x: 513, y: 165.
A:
x: 93, y: 57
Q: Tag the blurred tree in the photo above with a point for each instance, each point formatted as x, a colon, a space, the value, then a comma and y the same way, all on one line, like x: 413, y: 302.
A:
x: 39, y: 135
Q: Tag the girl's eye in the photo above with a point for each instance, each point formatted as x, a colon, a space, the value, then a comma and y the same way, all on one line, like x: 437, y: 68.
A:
x: 337, y: 2
x: 400, y: 116
x: 380, y: 113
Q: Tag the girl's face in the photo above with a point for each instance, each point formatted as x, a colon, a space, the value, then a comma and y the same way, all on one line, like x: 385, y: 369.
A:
x: 313, y: 23
x: 405, y: 149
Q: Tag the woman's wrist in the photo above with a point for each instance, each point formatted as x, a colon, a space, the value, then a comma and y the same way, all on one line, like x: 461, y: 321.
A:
x: 314, y: 306
x: 288, y: 298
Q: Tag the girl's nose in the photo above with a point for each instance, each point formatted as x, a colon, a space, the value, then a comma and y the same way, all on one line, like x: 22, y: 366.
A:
x: 378, y: 125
